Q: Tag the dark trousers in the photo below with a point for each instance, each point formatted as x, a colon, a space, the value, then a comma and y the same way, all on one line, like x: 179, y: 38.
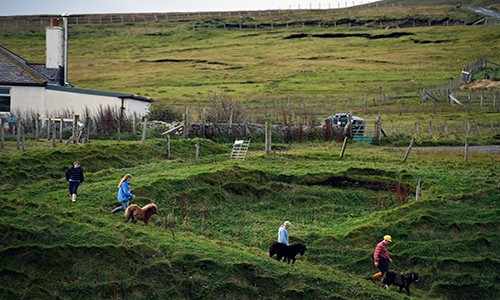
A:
x: 73, y: 187
x: 383, y: 264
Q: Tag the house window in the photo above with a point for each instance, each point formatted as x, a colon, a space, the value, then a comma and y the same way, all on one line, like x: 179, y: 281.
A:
x: 4, y: 99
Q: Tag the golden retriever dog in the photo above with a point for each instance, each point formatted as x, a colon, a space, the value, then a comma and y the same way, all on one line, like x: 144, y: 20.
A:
x: 134, y: 212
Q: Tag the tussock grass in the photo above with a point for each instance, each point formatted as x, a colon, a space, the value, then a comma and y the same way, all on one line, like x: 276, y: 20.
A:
x: 217, y: 219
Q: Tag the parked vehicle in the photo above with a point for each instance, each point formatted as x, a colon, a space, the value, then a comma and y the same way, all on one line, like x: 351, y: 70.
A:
x: 341, y: 123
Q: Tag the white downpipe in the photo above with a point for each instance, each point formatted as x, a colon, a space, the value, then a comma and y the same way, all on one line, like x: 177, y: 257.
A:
x: 65, y: 26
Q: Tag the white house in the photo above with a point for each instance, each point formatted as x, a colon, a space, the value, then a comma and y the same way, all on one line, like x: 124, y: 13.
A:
x: 43, y: 89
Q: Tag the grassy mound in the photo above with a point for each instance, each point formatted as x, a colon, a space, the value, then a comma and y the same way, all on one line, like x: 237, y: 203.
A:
x: 217, y: 218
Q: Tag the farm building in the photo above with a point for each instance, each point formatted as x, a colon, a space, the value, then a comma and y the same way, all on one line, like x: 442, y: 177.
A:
x: 43, y: 89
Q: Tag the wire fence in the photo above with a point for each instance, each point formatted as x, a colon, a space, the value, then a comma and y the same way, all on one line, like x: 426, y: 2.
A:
x: 257, y: 19
x: 292, y: 120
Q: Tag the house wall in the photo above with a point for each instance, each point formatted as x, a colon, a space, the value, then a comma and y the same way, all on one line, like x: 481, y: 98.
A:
x: 53, y: 102
x: 27, y: 98
x: 78, y: 102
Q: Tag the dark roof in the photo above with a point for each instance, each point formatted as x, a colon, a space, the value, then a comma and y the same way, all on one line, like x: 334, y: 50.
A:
x: 15, y: 70
x: 99, y: 93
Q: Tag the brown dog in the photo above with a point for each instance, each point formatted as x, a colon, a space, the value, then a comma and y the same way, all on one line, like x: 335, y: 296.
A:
x: 134, y: 212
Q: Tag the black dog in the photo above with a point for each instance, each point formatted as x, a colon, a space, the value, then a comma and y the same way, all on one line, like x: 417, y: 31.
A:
x: 402, y: 280
x: 288, y: 253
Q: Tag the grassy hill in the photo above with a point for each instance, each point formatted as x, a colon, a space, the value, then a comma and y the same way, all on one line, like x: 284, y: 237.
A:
x: 217, y: 218
x: 291, y: 54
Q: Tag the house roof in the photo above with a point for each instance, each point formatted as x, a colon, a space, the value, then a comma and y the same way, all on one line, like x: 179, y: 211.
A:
x: 99, y: 93
x: 15, y: 70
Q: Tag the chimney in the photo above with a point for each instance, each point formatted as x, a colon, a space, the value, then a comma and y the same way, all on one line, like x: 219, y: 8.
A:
x: 55, y: 45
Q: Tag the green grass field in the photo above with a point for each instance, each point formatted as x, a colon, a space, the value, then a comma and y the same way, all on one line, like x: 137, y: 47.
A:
x: 217, y: 218
x: 174, y: 62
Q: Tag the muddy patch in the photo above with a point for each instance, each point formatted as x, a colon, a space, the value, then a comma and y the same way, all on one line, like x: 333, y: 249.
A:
x: 198, y: 61
x: 391, y: 35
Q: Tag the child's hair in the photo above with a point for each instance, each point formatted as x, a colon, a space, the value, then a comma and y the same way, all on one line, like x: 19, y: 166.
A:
x: 128, y: 176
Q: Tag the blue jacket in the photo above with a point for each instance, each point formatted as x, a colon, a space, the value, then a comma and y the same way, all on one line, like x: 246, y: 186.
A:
x: 283, y: 235
x: 124, y: 193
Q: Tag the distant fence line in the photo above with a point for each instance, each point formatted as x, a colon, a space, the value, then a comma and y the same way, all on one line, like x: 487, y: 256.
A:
x: 443, y: 92
x: 375, y: 129
x: 277, y: 109
x: 295, y: 115
x: 18, y: 23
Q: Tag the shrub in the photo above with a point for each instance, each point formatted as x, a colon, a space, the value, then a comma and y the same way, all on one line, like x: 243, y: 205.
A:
x: 164, y: 113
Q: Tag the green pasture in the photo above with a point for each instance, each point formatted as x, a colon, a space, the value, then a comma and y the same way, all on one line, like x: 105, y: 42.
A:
x: 174, y: 62
x: 217, y: 218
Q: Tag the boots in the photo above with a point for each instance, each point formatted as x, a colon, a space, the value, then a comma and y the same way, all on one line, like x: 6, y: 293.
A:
x: 376, y: 276
x: 116, y: 210
x: 73, y: 197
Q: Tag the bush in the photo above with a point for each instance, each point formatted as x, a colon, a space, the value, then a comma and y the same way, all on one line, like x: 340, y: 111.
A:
x: 164, y: 113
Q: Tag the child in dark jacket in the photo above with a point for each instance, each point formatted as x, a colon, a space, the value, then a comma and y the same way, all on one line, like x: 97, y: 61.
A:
x: 74, y: 175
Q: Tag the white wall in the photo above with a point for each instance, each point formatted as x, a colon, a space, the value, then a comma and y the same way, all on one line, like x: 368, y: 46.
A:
x: 24, y: 98
x: 53, y: 102
x: 77, y: 102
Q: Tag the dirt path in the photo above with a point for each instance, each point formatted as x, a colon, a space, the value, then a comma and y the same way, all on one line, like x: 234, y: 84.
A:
x: 486, y: 149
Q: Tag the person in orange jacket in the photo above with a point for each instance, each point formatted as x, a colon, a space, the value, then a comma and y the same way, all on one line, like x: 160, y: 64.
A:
x: 381, y: 258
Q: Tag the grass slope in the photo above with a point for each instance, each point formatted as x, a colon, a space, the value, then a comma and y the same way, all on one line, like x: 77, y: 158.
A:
x: 187, y: 60
x: 217, y: 218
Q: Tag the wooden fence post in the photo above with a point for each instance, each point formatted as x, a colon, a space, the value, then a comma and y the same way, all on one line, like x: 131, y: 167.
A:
x: 144, y: 128
x: 60, y: 130
x: 466, y: 150
x: 416, y: 130
x: 477, y: 128
x: 134, y: 125
x: 186, y: 121
x: 445, y: 128
x: 431, y: 129
x: 343, y: 148
x: 118, y: 129
x: 49, y: 126
x: 23, y: 138
x: 268, y: 138
x: 203, y: 121
x: 37, y: 127
x: 54, y: 135
x: 75, y: 128
x: 87, y: 125
x: 366, y: 105
x: 417, y: 192
x: 197, y: 154
x: 18, y: 127
x: 468, y: 104
x: 2, y: 129
x: 168, y: 146
x: 408, y: 150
